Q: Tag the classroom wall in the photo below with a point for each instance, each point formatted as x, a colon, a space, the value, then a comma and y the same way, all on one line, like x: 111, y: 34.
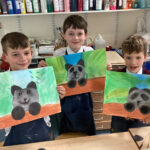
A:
x: 113, y: 26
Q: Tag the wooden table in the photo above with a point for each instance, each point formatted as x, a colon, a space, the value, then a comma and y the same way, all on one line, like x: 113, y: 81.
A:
x: 142, y: 136
x: 115, y: 141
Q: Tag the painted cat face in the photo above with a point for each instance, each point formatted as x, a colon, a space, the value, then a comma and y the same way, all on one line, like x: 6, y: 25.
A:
x: 76, y: 73
x: 140, y: 99
x: 25, y: 99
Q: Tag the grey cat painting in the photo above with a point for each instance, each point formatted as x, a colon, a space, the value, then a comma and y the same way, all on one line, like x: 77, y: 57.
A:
x: 76, y: 73
x: 138, y: 99
x: 26, y: 99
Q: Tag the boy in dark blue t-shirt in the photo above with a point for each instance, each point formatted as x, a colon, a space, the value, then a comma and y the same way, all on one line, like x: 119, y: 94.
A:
x: 17, y: 52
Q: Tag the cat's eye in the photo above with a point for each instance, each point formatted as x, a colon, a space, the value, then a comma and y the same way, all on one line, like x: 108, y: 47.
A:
x: 80, y: 69
x: 135, y: 95
x: 28, y: 91
x: 145, y: 97
x: 20, y: 93
x: 72, y: 69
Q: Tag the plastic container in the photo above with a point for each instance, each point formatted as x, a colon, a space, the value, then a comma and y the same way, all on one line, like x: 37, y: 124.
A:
x: 85, y: 5
x: 125, y: 4
x: 73, y: 5
x: 29, y: 6
x: 99, y: 5
x: 50, y: 5
x: 91, y: 4
x: 16, y: 6
x: 35, y: 4
x: 56, y: 5
x: 99, y: 42
x: 113, y: 4
x: 61, y: 5
x: 141, y: 3
x: 129, y: 4
x: 147, y: 3
x: 4, y: 6
x: 67, y: 5
x: 80, y: 5
x: 106, y: 5
x: 134, y: 3
x: 119, y: 4
x: 43, y: 6
x: 22, y: 6
x: 10, y: 7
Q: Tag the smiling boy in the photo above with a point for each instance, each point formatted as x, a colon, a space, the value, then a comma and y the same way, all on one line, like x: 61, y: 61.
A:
x: 134, y: 50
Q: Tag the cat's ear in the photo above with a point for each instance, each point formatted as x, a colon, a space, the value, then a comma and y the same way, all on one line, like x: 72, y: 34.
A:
x: 81, y: 62
x: 132, y: 89
x: 67, y: 66
x: 14, y: 88
x: 31, y: 85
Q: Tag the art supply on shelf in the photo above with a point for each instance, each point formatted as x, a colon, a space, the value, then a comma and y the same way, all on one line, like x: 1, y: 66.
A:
x: 43, y: 6
x: 36, y: 4
x: 99, y: 5
x: 22, y: 6
x: 16, y: 6
x: 50, y: 5
x: 85, y: 5
x: 10, y: 7
x: 29, y: 8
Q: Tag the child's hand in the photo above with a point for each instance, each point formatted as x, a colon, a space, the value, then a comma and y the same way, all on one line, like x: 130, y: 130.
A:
x: 145, y: 121
x: 109, y: 66
x: 42, y: 63
x: 61, y: 91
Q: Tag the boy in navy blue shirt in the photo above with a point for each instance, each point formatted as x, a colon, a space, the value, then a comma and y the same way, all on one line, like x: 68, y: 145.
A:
x: 17, y: 52
x: 134, y: 50
x: 77, y: 110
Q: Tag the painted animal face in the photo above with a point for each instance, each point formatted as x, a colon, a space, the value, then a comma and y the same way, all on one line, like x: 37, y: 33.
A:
x: 138, y: 99
x: 25, y: 99
x: 24, y: 96
x: 76, y: 72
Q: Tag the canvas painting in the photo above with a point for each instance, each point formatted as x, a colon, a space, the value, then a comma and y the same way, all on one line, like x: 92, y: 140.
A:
x: 80, y: 72
x: 127, y: 95
x: 27, y: 95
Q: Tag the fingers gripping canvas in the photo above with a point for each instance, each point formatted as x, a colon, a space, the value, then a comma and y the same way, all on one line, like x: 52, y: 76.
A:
x: 80, y: 72
x: 127, y: 95
x: 27, y: 95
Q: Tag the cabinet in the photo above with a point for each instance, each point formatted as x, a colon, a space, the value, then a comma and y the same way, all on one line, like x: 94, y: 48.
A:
x: 113, y: 25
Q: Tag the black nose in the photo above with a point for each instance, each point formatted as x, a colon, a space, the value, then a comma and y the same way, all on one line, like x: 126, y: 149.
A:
x: 138, y: 102
x: 75, y: 72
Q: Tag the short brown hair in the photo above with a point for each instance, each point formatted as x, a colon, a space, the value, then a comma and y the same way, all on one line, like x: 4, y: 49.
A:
x: 76, y: 21
x: 134, y: 43
x: 14, y: 40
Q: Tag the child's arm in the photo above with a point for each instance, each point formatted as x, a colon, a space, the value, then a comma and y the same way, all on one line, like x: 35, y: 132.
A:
x: 42, y: 63
x: 61, y: 91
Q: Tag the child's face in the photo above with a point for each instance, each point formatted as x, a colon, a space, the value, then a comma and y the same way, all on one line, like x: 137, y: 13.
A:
x: 19, y: 59
x: 75, y: 38
x: 134, y: 61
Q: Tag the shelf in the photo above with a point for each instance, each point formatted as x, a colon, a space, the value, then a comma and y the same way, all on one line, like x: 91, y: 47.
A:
x: 75, y: 12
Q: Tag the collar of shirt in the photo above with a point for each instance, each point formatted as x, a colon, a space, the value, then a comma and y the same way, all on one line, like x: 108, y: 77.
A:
x: 69, y: 50
x: 139, y: 72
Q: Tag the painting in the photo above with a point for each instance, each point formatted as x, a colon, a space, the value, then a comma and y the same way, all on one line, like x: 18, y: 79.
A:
x: 80, y: 72
x: 127, y: 95
x: 27, y: 95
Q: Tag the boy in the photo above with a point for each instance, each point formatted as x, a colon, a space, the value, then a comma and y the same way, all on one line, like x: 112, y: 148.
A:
x: 17, y: 52
x: 77, y: 109
x: 134, y: 50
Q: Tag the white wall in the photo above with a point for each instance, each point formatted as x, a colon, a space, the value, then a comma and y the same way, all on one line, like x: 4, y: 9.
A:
x: 113, y: 26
